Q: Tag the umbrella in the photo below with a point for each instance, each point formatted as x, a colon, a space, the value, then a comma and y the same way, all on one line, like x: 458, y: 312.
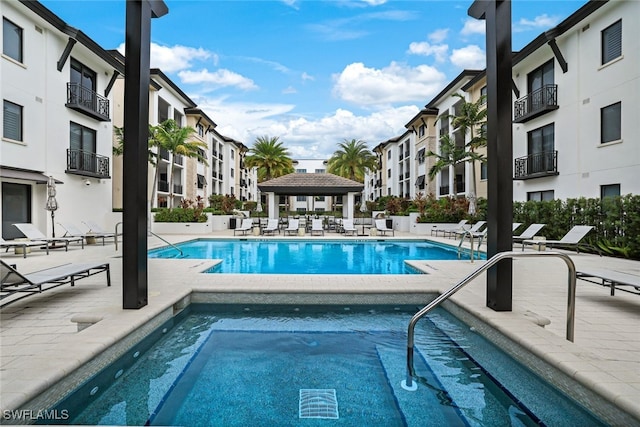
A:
x: 259, y: 205
x: 52, y: 203
x: 363, y: 209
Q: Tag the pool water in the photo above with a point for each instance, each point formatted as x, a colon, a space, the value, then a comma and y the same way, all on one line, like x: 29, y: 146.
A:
x: 310, y: 256
x: 240, y: 365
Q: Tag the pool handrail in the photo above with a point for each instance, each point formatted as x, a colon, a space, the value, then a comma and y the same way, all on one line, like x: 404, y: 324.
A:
x: 153, y: 234
x: 571, y: 301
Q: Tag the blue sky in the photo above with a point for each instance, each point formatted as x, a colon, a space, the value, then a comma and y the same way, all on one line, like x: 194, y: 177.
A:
x: 312, y: 72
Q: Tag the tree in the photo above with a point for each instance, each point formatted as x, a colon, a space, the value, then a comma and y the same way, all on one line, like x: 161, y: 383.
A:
x: 270, y: 157
x: 449, y: 155
x: 174, y: 139
x: 352, y: 160
x: 470, y: 118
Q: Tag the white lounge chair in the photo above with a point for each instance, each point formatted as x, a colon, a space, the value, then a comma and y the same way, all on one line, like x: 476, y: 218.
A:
x: 72, y: 231
x: 610, y: 278
x: 570, y: 240
x: 293, y: 226
x: 381, y: 226
x: 448, y: 227
x: 348, y: 227
x: 317, y: 227
x: 528, y: 234
x: 96, y: 230
x: 474, y: 229
x: 14, y: 282
x: 271, y: 227
x: 245, y: 227
x: 32, y: 233
x: 23, y: 244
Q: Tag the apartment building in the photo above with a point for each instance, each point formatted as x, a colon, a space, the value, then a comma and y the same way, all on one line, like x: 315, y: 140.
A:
x: 396, y: 176
x: 57, y: 121
x: 423, y: 127
x: 576, y: 110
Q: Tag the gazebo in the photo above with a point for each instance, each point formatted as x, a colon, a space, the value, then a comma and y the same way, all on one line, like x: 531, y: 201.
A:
x: 311, y: 184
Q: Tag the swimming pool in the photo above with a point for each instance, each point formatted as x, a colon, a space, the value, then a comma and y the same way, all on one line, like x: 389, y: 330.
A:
x: 310, y: 256
x: 239, y: 365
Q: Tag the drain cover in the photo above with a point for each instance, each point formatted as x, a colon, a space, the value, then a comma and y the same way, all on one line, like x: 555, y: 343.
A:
x: 318, y: 403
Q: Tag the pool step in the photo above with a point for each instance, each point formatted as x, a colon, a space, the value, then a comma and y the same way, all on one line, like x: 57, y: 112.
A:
x: 429, y: 404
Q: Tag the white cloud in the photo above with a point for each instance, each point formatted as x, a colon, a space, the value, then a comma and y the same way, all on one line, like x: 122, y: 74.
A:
x: 289, y: 90
x: 305, y: 76
x: 469, y: 57
x: 541, y: 22
x: 439, y: 51
x: 369, y: 87
x: 438, y: 35
x: 170, y: 59
x: 219, y: 78
x: 473, y: 26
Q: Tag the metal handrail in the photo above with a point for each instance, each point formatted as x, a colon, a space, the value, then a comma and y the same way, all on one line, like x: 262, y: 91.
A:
x: 408, y: 383
x: 115, y: 237
x: 153, y: 234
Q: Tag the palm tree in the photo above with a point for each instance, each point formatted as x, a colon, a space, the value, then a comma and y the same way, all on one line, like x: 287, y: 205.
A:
x: 352, y: 160
x: 174, y: 139
x: 450, y: 155
x: 270, y: 157
x: 470, y: 119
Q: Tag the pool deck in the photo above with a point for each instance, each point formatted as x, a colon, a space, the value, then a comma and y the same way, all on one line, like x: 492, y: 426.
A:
x: 41, y: 345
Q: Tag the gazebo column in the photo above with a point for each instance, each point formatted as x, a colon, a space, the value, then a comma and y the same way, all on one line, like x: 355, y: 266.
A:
x: 349, y: 210
x: 273, y: 206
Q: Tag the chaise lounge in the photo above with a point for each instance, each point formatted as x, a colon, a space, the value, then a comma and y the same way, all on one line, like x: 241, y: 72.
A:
x: 23, y: 244
x: 14, y: 282
x: 33, y: 234
x: 570, y: 240
x: 610, y: 278
x: 381, y: 226
x: 245, y: 227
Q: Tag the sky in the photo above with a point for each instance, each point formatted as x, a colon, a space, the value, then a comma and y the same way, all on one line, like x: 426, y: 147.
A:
x: 312, y: 72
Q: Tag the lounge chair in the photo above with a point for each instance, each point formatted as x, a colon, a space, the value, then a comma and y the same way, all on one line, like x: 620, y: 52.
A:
x: 316, y: 226
x: 515, y: 226
x: 610, y: 278
x: 448, y: 227
x: 528, y: 234
x: 571, y: 239
x: 23, y: 244
x: 245, y: 227
x: 292, y: 227
x: 33, y: 234
x: 73, y: 231
x: 97, y: 231
x: 348, y: 227
x: 14, y: 282
x: 381, y: 226
x: 271, y: 227
x: 474, y: 229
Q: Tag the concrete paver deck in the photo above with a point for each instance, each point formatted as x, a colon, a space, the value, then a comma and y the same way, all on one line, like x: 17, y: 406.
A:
x: 40, y: 345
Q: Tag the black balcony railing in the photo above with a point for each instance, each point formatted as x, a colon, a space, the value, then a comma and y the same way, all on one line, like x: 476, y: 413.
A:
x: 163, y: 186
x: 536, y: 165
x: 536, y: 103
x: 177, y: 189
x: 178, y: 159
x: 444, y: 190
x: 86, y: 163
x: 86, y: 101
x: 164, y: 154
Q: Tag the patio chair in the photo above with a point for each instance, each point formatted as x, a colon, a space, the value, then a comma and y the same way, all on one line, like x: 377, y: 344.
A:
x: 316, y: 226
x: 570, y: 240
x: 14, y: 282
x: 292, y: 227
x: 448, y: 227
x: 348, y: 227
x: 245, y: 227
x: 96, y: 230
x: 381, y: 226
x: 72, y: 231
x: 33, y: 234
x: 528, y: 234
x: 271, y: 227
x: 474, y: 229
x: 610, y: 278
x: 23, y: 244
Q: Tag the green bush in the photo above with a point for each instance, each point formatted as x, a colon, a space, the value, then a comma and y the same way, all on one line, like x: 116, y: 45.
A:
x: 180, y: 215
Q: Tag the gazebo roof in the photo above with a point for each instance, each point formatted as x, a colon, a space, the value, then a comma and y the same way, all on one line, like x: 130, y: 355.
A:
x: 310, y: 184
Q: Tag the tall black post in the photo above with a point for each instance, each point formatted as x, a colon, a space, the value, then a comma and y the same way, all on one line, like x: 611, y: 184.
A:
x: 136, y: 146
x: 497, y: 14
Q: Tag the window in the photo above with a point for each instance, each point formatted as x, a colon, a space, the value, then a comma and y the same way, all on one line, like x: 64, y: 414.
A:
x: 540, y: 146
x: 200, y: 130
x: 231, y: 154
x: 82, y: 75
x: 422, y: 130
x: 163, y: 110
x: 231, y: 172
x: 82, y: 148
x: 421, y: 156
x: 483, y: 95
x: 301, y: 198
x: 388, y: 173
x: 389, y: 154
x: 483, y: 170
x: 12, y: 121
x: 612, y: 42
x: 538, y: 196
x: 177, y: 117
x: 611, y: 190
x: 320, y: 171
x: 11, y: 40
x: 301, y: 171
x: 611, y: 123
x: 538, y: 79
x: 201, y: 181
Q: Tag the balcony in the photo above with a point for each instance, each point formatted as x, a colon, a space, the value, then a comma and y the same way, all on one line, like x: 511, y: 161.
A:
x: 444, y: 189
x: 536, y: 165
x: 177, y: 189
x: 535, y: 104
x: 87, y: 102
x: 178, y: 159
x: 164, y: 154
x: 163, y: 186
x: 86, y: 163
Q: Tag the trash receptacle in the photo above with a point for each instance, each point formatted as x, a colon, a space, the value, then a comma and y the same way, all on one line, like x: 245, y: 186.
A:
x: 232, y: 223
x: 389, y: 223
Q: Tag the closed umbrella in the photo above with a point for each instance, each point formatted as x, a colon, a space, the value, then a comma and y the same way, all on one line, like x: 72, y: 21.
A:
x: 52, y: 203
x: 363, y: 209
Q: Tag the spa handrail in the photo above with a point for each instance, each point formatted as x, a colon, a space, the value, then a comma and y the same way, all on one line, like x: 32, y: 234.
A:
x: 153, y: 234
x: 571, y: 302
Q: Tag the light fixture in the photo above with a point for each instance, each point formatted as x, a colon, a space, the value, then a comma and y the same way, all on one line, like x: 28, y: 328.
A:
x: 87, y: 182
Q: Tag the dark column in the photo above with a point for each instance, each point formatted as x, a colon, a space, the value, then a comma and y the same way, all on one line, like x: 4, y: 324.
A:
x: 136, y: 146
x: 497, y: 14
